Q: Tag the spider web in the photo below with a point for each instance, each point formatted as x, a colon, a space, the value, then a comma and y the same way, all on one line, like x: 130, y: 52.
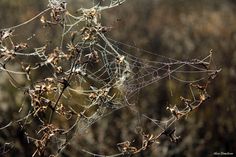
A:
x: 103, y: 74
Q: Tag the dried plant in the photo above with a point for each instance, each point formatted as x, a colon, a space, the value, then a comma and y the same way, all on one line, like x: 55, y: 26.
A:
x: 99, y: 72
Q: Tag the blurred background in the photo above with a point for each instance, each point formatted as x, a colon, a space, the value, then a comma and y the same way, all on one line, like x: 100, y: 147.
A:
x: 181, y: 29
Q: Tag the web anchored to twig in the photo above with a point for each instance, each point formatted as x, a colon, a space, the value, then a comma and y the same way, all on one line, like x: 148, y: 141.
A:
x: 99, y: 72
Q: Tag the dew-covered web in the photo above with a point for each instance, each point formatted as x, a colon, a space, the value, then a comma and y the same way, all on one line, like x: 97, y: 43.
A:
x: 82, y: 76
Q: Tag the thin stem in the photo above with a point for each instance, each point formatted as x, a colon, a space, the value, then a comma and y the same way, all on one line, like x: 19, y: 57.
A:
x: 28, y: 21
